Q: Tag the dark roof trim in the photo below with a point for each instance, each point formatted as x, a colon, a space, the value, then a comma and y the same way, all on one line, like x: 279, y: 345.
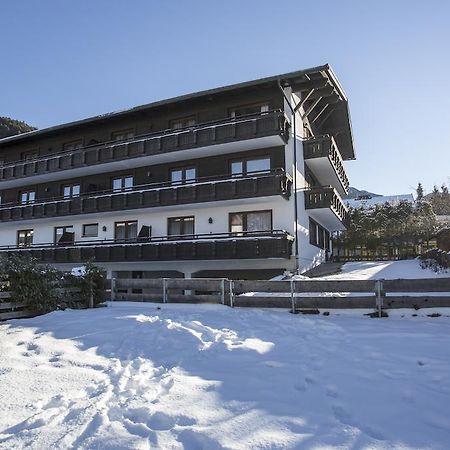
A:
x: 285, y: 77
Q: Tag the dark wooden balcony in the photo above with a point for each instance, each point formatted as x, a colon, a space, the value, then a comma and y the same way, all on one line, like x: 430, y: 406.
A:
x: 276, y: 182
x: 247, y: 245
x: 325, y: 205
x: 323, y: 158
x: 134, y: 151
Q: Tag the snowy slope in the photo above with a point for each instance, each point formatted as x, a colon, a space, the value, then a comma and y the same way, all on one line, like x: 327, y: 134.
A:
x: 209, y: 377
x: 388, y: 270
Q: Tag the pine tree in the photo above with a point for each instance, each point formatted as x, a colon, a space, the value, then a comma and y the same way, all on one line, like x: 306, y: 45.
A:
x: 419, y: 191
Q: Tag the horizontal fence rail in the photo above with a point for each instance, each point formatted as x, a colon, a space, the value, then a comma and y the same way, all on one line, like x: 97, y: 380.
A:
x: 12, y: 310
x: 293, y: 294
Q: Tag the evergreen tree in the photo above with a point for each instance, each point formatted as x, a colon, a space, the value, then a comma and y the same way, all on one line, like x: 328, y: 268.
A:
x: 11, y: 127
x: 419, y: 191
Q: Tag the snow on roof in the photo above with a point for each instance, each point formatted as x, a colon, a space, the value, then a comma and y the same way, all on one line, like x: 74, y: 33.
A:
x: 367, y: 201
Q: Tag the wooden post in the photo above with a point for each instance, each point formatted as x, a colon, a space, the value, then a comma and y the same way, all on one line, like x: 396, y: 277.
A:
x: 379, y: 296
x: 113, y: 289
x: 292, y: 297
x: 231, y: 294
x: 91, y: 293
x: 164, y: 290
x: 222, y: 291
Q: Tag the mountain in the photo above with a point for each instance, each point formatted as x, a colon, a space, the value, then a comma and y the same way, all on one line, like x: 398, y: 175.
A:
x: 355, y: 193
x: 11, y: 127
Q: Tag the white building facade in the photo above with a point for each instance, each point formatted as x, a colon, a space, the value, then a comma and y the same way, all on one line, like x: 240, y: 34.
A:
x: 240, y: 181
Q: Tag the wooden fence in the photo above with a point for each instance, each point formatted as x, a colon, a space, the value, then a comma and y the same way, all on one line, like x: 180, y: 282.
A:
x: 9, y: 310
x: 317, y: 294
x: 14, y: 310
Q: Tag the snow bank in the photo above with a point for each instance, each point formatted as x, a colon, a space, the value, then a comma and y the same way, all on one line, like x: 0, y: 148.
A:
x: 139, y: 376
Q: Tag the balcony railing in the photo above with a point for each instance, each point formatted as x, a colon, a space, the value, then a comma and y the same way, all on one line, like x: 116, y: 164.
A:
x: 325, y: 147
x: 246, y: 245
x: 275, y: 182
x: 259, y: 125
x: 323, y: 199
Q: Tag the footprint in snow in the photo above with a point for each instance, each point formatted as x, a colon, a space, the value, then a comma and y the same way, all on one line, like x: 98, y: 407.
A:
x: 343, y: 416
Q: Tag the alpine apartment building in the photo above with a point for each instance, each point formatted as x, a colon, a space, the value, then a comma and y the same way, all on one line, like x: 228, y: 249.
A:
x: 239, y: 181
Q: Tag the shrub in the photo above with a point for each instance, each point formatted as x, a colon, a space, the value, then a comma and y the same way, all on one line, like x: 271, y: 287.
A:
x: 89, y: 278
x: 30, y: 283
x: 435, y: 259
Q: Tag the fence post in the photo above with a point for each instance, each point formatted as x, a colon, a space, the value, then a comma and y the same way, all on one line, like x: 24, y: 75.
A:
x: 164, y: 290
x: 222, y: 291
x: 91, y: 293
x: 379, y: 296
x: 292, y: 297
x: 231, y: 294
x: 113, y: 289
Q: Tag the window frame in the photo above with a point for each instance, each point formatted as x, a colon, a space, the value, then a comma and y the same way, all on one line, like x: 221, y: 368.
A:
x: 65, y: 231
x: 127, y: 224
x: 74, y: 142
x: 71, y: 186
x: 232, y: 110
x: 183, y: 119
x: 244, y: 220
x: 183, y: 170
x: 245, y: 161
x: 89, y: 225
x: 127, y: 131
x: 321, y: 237
x: 27, y: 193
x: 26, y: 236
x: 122, y: 182
x: 182, y: 218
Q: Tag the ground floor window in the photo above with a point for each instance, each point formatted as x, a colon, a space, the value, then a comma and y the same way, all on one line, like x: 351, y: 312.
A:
x: 24, y: 238
x: 250, y: 221
x: 179, y: 226
x: 318, y: 235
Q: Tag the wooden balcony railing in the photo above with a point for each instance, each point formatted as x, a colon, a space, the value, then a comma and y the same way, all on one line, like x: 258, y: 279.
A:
x: 325, y: 147
x: 260, y: 125
x: 246, y: 245
x: 275, y: 182
x: 326, y: 197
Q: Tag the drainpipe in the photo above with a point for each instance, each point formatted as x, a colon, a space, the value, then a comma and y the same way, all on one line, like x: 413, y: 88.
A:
x: 294, y: 111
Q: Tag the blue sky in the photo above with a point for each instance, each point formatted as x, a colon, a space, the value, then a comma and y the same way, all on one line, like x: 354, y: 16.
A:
x: 64, y: 60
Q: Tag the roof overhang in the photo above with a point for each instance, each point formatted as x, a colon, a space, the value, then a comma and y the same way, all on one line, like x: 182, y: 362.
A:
x: 324, y: 105
x: 327, y: 106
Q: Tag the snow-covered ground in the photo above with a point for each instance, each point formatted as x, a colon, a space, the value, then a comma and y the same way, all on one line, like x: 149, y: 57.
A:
x: 210, y: 377
x: 388, y: 270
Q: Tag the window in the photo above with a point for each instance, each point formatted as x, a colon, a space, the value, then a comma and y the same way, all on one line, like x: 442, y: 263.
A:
x: 124, y: 183
x: 250, y: 221
x: 318, y: 235
x: 184, y: 175
x: 250, y: 166
x: 64, y: 235
x: 182, y: 122
x: 90, y: 230
x: 33, y: 154
x: 27, y: 197
x: 74, y: 145
x: 72, y: 190
x: 124, y: 231
x: 179, y: 226
x: 24, y: 238
x: 249, y: 109
x: 122, y: 135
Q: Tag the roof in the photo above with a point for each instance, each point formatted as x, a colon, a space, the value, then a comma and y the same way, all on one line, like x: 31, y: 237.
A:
x: 298, y: 80
x: 378, y: 200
